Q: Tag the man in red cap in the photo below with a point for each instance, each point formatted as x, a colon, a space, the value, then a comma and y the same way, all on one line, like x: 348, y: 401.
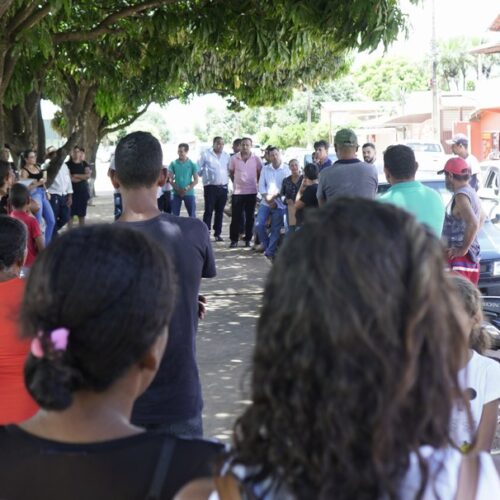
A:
x: 462, y: 221
x: 460, y: 147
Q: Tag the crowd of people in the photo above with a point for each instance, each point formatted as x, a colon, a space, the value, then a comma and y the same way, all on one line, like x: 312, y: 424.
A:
x: 368, y: 376
x: 52, y: 206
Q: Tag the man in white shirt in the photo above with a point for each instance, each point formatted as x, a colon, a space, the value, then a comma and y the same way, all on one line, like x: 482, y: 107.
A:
x: 214, y: 163
x: 61, y: 193
x: 271, y: 205
x: 460, y: 147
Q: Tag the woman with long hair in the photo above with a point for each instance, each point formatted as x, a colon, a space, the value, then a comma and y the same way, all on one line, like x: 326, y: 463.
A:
x: 355, y: 367
x: 31, y: 170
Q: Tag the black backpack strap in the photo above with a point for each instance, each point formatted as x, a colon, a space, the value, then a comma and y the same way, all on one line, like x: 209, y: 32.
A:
x: 161, y: 469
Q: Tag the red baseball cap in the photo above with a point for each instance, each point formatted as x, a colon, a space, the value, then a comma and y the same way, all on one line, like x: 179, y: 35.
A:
x: 457, y: 166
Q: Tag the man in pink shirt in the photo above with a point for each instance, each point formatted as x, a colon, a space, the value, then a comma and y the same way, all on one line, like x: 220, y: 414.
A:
x: 244, y: 170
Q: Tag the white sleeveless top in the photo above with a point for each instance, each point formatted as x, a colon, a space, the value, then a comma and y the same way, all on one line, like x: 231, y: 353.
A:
x: 444, y: 467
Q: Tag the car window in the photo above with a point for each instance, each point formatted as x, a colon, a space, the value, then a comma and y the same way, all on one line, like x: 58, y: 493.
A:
x: 493, y: 181
x: 427, y: 147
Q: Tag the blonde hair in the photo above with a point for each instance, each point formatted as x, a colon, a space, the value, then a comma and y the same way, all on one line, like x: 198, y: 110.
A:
x: 470, y: 297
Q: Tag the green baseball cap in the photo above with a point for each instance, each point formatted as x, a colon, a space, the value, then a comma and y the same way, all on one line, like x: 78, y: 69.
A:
x: 345, y: 137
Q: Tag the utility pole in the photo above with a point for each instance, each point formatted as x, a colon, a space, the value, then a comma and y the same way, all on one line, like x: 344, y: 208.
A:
x: 436, y: 115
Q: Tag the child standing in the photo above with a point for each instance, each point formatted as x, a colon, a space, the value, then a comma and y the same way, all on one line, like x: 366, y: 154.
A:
x: 479, y: 378
x: 185, y: 178
x: 20, y: 201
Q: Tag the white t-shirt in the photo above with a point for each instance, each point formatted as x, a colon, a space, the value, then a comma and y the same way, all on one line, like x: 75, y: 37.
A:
x: 473, y: 163
x: 480, y: 379
x: 443, y: 465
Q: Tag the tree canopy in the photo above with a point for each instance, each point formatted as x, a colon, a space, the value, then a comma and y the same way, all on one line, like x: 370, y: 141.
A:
x: 104, y: 62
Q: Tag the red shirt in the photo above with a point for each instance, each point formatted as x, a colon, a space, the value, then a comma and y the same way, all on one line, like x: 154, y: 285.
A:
x: 16, y: 404
x: 34, y: 231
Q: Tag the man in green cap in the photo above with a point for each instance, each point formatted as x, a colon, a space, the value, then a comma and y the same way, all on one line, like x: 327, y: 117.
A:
x: 348, y: 176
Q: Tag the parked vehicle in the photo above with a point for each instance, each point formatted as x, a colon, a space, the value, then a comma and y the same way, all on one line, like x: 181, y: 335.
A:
x: 489, y: 191
x: 430, y: 155
x: 491, y: 313
x: 489, y: 236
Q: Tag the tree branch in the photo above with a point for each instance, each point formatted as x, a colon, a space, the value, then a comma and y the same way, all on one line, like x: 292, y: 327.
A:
x: 109, y: 130
x: 18, y: 18
x: 104, y: 26
x: 30, y: 20
x: 8, y: 71
x: 4, y: 6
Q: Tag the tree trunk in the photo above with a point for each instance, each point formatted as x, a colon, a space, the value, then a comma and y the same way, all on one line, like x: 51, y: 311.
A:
x: 21, y: 124
x: 92, y: 135
x: 40, y: 133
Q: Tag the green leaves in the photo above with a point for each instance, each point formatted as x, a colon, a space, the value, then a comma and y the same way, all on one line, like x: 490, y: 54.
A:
x: 251, y: 51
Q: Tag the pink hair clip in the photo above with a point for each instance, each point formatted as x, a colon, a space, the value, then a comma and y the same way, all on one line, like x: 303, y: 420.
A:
x: 58, y: 341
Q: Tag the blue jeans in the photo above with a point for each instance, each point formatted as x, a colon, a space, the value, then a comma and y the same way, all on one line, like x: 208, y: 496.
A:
x: 269, y: 241
x: 288, y: 229
x: 45, y: 212
x: 117, y: 199
x: 189, y: 203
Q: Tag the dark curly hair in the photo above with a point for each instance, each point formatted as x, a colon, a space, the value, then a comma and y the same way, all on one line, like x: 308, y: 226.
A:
x: 356, y: 358
x: 113, y: 289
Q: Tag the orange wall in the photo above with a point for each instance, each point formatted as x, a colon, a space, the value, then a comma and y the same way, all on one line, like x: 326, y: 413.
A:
x: 475, y: 139
x: 490, y: 122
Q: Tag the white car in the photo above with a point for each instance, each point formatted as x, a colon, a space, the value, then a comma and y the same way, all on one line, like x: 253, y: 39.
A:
x: 430, y: 156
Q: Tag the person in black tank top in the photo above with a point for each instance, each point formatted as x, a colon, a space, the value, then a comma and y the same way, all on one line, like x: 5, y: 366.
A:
x: 30, y: 170
x: 95, y: 348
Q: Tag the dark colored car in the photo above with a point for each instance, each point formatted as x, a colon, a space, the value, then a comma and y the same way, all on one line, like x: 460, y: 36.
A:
x: 491, y: 312
x: 489, y: 240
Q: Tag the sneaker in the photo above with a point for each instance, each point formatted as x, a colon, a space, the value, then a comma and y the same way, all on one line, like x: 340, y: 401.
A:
x: 248, y: 244
x: 219, y: 238
x: 270, y: 258
x: 234, y: 244
x: 258, y: 248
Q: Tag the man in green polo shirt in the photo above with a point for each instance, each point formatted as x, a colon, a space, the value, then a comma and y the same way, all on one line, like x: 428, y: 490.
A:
x: 185, y: 178
x: 423, y: 202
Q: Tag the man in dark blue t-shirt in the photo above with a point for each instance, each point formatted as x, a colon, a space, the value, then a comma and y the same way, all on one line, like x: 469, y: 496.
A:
x: 173, y: 401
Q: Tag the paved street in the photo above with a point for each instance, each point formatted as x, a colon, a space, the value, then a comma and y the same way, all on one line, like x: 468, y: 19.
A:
x: 226, y: 335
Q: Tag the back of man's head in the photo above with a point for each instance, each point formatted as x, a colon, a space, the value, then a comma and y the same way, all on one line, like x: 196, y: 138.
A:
x: 346, y: 144
x: 399, y: 161
x: 19, y: 196
x: 138, y: 160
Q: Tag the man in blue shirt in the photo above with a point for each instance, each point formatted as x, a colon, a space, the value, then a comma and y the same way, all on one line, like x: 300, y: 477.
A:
x: 270, y: 182
x: 321, y: 155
